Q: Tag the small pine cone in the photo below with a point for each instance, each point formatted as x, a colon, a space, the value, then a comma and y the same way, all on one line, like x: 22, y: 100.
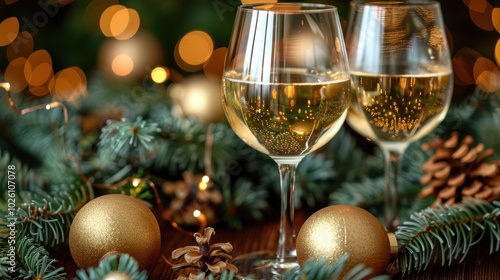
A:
x: 459, y: 171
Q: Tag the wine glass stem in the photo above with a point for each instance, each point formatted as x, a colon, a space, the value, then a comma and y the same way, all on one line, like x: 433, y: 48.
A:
x: 393, y: 159
x: 286, y: 242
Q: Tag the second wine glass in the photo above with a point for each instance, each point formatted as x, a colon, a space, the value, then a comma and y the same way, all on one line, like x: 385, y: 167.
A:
x: 286, y: 94
x: 401, y: 79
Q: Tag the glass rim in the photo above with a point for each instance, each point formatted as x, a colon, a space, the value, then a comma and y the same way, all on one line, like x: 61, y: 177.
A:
x: 394, y: 4
x: 285, y: 7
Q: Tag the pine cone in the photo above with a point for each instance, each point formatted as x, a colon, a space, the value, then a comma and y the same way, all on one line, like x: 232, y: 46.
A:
x: 191, y: 261
x: 458, y: 171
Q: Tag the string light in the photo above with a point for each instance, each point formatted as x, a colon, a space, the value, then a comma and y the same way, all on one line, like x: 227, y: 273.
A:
x: 135, y: 182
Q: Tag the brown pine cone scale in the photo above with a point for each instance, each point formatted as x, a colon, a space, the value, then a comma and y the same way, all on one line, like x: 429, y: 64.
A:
x: 458, y: 171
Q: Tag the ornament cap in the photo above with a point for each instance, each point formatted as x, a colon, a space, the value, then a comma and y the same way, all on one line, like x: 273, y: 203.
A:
x: 393, y: 242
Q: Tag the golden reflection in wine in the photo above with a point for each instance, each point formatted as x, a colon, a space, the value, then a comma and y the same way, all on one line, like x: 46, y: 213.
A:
x: 286, y: 119
x: 398, y: 108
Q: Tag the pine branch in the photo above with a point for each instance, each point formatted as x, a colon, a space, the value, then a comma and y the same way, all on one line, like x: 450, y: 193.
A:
x: 244, y: 201
x: 47, y: 216
x: 367, y: 194
x: 350, y: 162
x: 128, y: 140
x: 125, y: 265
x: 182, y: 143
x: 320, y: 270
x: 25, y: 177
x: 313, y: 182
x: 35, y: 262
x: 447, y: 233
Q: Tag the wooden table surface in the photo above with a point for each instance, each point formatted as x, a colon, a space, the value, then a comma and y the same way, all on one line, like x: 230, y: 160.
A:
x: 264, y: 235
x: 478, y: 265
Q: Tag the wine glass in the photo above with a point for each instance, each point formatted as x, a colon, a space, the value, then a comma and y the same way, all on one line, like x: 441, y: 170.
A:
x: 401, y: 76
x: 286, y: 93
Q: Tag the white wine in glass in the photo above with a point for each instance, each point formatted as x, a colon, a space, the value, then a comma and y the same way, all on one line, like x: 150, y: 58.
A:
x: 402, y: 79
x: 286, y: 90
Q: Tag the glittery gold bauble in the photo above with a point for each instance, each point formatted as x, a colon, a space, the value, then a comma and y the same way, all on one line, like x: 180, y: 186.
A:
x: 114, y: 224
x: 343, y: 229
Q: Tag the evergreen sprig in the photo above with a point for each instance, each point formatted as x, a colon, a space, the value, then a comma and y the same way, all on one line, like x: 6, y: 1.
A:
x: 320, y: 270
x: 47, y: 216
x: 124, y: 264
x: 244, y: 201
x: 313, y: 182
x: 127, y: 139
x: 34, y: 261
x: 182, y: 143
x: 447, y: 233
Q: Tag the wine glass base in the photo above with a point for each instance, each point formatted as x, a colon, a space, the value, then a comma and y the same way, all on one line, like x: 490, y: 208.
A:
x: 264, y: 265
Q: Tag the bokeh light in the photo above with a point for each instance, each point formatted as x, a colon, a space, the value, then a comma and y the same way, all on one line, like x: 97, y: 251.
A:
x: 119, y: 22
x: 22, y: 46
x: 38, y: 72
x: 122, y: 65
x: 194, y: 49
x: 214, y: 67
x: 106, y: 17
x: 9, y: 28
x: 69, y: 84
x: 486, y: 74
x: 14, y: 74
x: 480, y: 12
x: 483, y: 64
x: 199, y: 98
x: 489, y: 81
x: 160, y: 74
x: 463, y: 65
x: 124, y: 24
x: 133, y: 58
x: 497, y: 52
x: 495, y: 18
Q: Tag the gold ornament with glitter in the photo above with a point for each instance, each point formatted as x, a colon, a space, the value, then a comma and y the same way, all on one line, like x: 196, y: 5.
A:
x: 114, y: 224
x: 343, y: 229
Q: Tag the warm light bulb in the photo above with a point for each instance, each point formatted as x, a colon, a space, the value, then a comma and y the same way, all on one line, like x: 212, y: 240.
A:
x: 196, y: 213
x: 202, y: 186
x: 6, y: 86
x: 160, y: 74
x: 205, y: 179
x: 135, y: 182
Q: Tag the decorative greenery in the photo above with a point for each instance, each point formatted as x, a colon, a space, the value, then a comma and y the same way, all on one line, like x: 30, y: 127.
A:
x: 447, y: 233
x: 120, y: 138
x: 33, y: 262
x: 125, y: 265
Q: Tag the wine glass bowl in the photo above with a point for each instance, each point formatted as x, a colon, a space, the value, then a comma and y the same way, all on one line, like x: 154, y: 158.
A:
x: 402, y: 79
x: 286, y: 93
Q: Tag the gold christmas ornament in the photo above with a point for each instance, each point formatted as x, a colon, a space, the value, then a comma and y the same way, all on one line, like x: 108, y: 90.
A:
x: 114, y: 224
x: 343, y: 229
